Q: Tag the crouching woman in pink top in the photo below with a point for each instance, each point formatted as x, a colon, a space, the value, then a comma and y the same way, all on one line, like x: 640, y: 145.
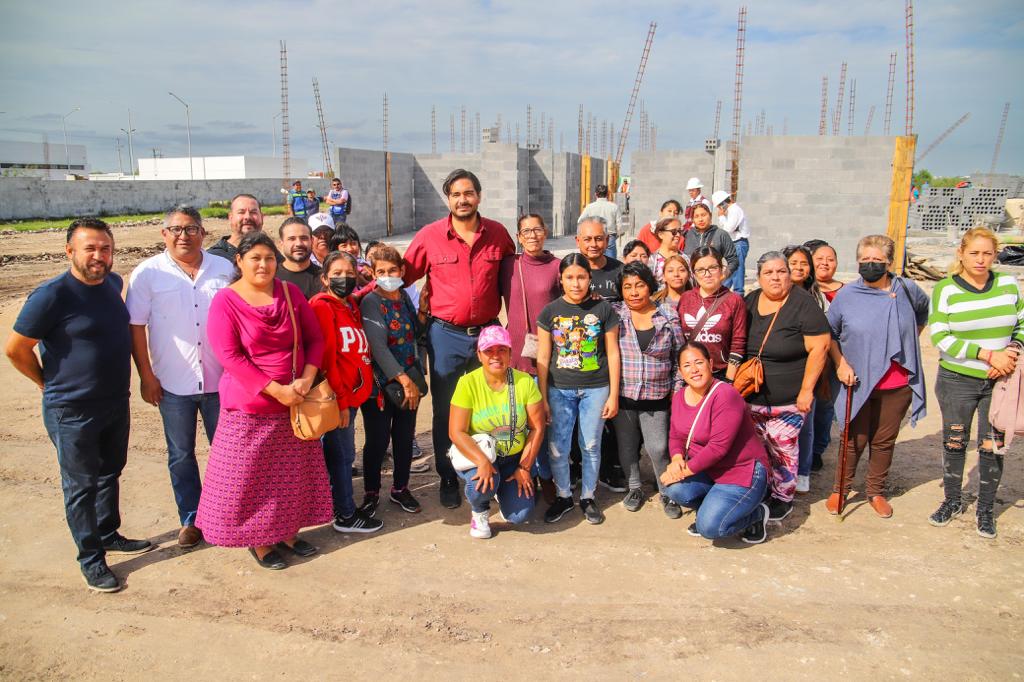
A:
x: 262, y: 483
x: 719, y: 466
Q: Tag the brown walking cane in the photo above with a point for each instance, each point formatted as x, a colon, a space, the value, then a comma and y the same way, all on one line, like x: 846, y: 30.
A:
x: 844, y: 447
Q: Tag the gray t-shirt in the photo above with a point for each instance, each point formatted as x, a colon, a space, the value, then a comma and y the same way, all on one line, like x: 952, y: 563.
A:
x: 578, y: 357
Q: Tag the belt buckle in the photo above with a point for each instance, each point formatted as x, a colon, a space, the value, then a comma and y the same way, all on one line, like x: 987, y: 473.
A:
x: 474, y: 331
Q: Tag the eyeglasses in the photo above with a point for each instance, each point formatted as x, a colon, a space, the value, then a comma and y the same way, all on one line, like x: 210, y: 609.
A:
x: 675, y: 233
x: 528, y: 231
x: 704, y: 272
x: 190, y: 230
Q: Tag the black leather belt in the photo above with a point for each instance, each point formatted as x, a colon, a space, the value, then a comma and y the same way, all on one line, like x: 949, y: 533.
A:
x: 468, y: 331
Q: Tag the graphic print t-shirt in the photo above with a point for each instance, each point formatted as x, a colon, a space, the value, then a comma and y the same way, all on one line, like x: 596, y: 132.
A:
x: 578, y: 358
x: 490, y: 408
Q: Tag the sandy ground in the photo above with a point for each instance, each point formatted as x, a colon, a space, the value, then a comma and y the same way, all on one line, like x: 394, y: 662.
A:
x: 635, y: 598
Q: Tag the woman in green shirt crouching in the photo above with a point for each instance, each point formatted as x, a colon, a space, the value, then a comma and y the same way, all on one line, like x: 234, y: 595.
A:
x: 482, y: 404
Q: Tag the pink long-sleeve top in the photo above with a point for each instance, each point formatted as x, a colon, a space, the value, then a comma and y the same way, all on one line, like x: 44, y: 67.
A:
x: 254, y: 345
x: 724, y: 442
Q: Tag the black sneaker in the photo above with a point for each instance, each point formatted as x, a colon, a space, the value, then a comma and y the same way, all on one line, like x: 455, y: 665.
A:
x: 560, y: 508
x: 100, y: 578
x: 404, y: 499
x: 450, y: 496
x: 357, y: 523
x: 122, y: 545
x: 672, y: 510
x: 369, y: 505
x: 590, y: 511
x: 757, y: 532
x: 355, y: 471
x: 613, y: 481
x: 692, y: 530
x: 817, y: 463
x: 946, y: 512
x: 634, y: 500
x: 778, y: 510
x: 986, y: 524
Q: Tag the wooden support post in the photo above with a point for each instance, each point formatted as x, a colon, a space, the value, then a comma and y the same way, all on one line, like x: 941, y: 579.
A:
x: 584, y: 181
x: 389, y: 197
x: 899, y: 196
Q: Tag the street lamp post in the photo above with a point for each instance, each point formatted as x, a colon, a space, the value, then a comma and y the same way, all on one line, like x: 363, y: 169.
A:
x: 63, y: 124
x: 188, y: 132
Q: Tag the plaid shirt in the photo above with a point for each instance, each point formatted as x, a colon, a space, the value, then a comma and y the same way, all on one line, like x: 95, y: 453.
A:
x: 650, y: 374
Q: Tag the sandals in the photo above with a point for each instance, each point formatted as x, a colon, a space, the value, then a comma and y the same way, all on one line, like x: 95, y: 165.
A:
x: 271, y: 560
x: 300, y: 548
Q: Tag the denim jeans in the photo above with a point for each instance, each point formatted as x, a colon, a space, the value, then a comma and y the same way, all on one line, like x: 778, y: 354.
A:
x: 609, y: 250
x: 568, y: 405
x: 339, y: 453
x: 451, y: 355
x: 383, y: 425
x: 735, y: 281
x: 178, y: 413
x: 960, y: 397
x: 824, y: 415
x: 805, y: 443
x: 723, y: 509
x: 92, y: 448
x: 515, y: 508
x: 542, y: 463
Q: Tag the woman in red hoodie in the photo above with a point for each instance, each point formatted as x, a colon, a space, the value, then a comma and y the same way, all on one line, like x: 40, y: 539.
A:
x: 713, y: 315
x: 346, y: 364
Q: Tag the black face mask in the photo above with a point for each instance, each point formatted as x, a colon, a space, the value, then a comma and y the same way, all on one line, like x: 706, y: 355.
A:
x: 872, y: 272
x: 342, y: 286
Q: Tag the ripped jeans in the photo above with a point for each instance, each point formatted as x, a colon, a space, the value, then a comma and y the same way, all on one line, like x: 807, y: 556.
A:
x: 960, y: 396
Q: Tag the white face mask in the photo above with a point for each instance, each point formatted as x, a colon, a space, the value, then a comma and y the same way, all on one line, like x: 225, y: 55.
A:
x: 389, y: 283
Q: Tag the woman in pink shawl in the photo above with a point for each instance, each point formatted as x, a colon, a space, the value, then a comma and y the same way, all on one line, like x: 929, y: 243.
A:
x: 262, y: 483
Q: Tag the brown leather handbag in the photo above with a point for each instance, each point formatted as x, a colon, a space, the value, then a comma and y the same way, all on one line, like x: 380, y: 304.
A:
x: 750, y: 375
x: 318, y: 412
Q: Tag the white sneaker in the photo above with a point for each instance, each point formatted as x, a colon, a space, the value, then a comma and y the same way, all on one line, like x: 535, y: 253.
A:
x: 480, y: 526
x: 803, y: 484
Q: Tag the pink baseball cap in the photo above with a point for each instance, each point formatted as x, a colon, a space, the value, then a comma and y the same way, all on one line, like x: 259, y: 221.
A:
x: 492, y: 336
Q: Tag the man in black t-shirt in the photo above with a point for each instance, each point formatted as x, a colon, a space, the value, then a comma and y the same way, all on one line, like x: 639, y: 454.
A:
x: 80, y: 324
x: 296, y: 244
x: 591, y: 240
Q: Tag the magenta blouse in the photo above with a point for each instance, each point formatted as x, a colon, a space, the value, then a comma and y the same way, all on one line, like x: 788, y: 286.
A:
x: 254, y: 344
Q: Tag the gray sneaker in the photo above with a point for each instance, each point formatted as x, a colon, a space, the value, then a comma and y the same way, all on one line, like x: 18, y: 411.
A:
x: 100, y: 578
x: 590, y: 511
x: 633, y: 500
x: 672, y: 510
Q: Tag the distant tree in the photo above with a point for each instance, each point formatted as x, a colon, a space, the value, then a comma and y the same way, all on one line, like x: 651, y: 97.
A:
x: 923, y: 177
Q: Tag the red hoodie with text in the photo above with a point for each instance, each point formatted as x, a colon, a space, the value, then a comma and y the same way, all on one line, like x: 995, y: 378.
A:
x: 346, y: 360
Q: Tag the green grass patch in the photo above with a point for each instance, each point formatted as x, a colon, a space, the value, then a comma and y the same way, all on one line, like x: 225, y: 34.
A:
x: 62, y: 223
x: 222, y: 211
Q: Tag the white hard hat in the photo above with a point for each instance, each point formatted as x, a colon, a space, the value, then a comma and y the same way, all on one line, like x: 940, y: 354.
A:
x: 318, y: 219
x: 694, y: 183
x: 718, y: 197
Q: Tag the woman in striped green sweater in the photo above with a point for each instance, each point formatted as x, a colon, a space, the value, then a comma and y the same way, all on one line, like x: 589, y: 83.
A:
x: 976, y: 323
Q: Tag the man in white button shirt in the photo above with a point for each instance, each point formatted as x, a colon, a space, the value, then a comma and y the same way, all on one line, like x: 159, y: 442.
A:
x: 733, y: 221
x: 168, y: 300
x: 607, y: 211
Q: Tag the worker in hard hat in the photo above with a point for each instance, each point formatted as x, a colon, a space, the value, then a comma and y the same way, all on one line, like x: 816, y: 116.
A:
x: 693, y: 188
x: 733, y: 221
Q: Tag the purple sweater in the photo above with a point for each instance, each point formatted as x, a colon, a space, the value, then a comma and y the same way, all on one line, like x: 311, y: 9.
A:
x: 541, y: 278
x: 724, y: 445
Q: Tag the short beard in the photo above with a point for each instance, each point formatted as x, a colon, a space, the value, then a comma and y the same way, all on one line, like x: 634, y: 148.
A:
x: 90, y: 276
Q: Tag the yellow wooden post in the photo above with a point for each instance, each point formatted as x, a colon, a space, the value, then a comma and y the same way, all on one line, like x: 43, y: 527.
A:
x: 584, y: 181
x: 899, y: 196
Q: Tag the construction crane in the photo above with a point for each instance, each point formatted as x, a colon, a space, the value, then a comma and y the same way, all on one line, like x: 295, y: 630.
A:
x: 871, y: 117
x: 886, y: 129
x: 286, y: 159
x: 323, y: 128
x: 823, y: 122
x: 624, y: 133
x: 940, y: 138
x: 999, y: 139
x: 910, y: 68
x: 737, y: 102
x: 837, y: 114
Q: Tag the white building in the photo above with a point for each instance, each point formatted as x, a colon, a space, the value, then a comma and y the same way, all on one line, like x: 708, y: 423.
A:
x: 42, y: 160
x: 217, y: 168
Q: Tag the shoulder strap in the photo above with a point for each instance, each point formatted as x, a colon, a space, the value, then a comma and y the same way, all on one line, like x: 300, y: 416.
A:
x: 707, y: 315
x: 772, y: 324
x: 295, y: 329
x: 700, y: 410
x: 513, y: 414
x: 522, y: 290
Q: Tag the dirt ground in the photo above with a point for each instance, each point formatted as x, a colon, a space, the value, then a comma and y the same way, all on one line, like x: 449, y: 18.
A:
x: 635, y: 598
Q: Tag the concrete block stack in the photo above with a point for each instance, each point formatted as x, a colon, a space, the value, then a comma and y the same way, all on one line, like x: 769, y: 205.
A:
x: 939, y: 208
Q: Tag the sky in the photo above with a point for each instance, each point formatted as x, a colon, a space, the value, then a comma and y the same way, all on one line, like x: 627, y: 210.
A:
x: 496, y: 57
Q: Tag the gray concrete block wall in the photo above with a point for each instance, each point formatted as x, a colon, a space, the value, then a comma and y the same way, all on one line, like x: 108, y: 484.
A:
x: 660, y: 176
x: 362, y: 172
x: 24, y: 198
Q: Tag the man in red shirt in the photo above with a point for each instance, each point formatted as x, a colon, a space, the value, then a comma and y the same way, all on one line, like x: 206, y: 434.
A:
x: 460, y: 255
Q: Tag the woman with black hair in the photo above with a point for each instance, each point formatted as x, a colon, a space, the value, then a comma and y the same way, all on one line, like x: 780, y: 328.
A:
x: 649, y: 343
x: 713, y: 314
x: 262, y: 483
x: 578, y: 371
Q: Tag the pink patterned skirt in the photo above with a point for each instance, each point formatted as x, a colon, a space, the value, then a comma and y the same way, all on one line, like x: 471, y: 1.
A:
x: 262, y: 483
